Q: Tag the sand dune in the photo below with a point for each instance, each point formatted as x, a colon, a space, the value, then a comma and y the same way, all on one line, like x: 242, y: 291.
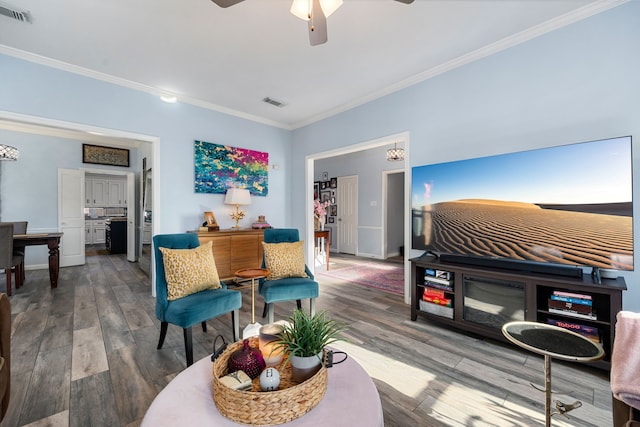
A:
x: 524, y: 231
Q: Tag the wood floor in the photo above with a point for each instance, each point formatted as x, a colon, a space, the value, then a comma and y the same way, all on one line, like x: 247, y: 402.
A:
x: 84, y: 354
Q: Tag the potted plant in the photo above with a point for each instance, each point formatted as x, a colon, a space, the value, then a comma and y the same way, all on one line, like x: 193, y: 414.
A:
x: 304, y: 339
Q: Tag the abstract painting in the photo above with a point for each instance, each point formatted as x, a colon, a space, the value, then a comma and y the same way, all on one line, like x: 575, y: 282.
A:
x: 220, y: 167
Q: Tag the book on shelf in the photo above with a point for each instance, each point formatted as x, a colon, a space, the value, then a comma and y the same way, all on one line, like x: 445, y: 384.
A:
x: 438, y: 310
x: 441, y: 274
x: 565, y: 305
x: 446, y: 302
x: 570, y: 313
x: 571, y: 299
x: 446, y: 288
x: 434, y: 292
x: 572, y: 295
x: 439, y: 280
x: 587, y: 331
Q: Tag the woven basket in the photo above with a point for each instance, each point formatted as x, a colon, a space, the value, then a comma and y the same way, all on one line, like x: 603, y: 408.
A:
x: 266, y: 408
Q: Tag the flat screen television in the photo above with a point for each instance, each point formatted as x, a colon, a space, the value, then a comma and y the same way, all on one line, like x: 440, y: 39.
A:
x: 567, y: 205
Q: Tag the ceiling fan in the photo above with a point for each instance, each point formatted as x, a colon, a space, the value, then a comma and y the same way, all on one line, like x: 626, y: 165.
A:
x: 315, y: 12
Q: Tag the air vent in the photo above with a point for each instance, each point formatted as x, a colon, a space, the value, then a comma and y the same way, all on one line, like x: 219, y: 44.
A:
x: 11, y: 12
x: 274, y: 102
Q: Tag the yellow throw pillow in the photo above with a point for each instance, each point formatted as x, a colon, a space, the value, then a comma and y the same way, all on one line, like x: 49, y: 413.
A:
x: 188, y: 271
x: 284, y: 259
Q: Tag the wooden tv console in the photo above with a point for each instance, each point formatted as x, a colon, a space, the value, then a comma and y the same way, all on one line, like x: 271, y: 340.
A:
x: 475, y: 294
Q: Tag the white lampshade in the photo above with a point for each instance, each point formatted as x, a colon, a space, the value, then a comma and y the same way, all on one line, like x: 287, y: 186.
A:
x: 300, y: 8
x: 237, y: 196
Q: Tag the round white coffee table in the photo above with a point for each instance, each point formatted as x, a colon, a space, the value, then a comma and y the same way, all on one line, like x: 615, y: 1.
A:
x: 351, y: 400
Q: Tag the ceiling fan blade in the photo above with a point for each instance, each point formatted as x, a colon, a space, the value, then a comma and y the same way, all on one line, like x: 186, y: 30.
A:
x: 317, y: 25
x: 405, y: 1
x: 226, y: 3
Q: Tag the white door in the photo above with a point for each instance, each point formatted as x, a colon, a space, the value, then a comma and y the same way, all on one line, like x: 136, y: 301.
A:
x: 131, y: 217
x: 71, y: 216
x: 347, y: 214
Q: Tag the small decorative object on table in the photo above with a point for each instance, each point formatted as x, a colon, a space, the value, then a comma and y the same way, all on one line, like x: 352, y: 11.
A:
x: 247, y: 359
x: 210, y: 222
x: 271, y: 351
x: 237, y: 380
x: 261, y: 223
x: 269, y: 379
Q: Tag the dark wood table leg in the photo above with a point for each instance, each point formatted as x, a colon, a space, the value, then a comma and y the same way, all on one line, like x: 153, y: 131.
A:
x: 328, y: 249
x: 54, y: 261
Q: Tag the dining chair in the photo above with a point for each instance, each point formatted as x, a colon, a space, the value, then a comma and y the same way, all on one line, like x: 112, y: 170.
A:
x: 182, y: 296
x: 5, y: 354
x: 289, y: 277
x: 20, y: 227
x: 9, y: 261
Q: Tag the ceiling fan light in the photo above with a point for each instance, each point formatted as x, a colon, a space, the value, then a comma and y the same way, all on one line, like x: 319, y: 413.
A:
x: 302, y: 8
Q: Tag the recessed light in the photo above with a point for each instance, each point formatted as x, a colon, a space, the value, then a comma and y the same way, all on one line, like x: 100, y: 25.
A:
x: 169, y: 99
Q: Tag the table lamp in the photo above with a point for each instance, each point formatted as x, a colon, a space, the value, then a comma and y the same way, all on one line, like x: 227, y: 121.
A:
x: 237, y: 196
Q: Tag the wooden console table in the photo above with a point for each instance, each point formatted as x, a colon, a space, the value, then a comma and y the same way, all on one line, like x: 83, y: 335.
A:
x: 52, y: 240
x: 233, y: 249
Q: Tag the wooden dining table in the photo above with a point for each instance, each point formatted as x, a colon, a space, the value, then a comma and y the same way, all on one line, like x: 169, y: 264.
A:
x: 52, y: 240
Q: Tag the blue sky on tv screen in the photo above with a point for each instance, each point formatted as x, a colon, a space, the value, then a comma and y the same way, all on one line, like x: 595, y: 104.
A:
x: 590, y: 172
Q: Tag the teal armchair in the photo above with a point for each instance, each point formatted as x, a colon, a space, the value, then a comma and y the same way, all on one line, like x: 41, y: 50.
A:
x: 292, y: 288
x: 191, y: 309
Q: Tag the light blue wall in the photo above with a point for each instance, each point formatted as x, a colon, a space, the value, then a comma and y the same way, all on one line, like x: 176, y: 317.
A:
x: 575, y: 84
x: 36, y: 90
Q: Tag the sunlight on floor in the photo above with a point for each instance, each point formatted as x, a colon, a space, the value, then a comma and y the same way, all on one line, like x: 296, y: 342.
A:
x: 458, y: 405
x: 408, y: 380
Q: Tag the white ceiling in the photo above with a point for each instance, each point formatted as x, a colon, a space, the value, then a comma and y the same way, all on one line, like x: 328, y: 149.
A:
x: 230, y: 59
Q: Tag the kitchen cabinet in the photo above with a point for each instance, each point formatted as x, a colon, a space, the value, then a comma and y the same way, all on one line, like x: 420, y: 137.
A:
x: 94, y: 232
x: 95, y: 192
x: 116, y: 193
x: 146, y: 233
x: 102, y: 192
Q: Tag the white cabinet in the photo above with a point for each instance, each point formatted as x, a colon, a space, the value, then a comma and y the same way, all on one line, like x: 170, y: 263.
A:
x: 94, y: 232
x: 100, y: 192
x: 96, y: 191
x: 146, y: 233
x: 117, y: 193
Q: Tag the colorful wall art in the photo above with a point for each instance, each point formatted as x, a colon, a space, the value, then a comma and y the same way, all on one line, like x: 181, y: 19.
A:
x: 219, y: 167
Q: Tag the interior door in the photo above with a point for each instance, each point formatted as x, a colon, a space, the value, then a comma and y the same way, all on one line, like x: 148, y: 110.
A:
x: 131, y: 217
x: 347, y: 214
x: 71, y: 216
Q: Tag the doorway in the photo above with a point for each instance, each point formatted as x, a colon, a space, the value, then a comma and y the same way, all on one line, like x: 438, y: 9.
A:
x: 375, y: 245
x: 394, y: 203
x: 145, y: 146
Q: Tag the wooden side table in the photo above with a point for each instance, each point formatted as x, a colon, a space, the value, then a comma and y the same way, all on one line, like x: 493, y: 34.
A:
x: 324, y: 234
x: 252, y: 329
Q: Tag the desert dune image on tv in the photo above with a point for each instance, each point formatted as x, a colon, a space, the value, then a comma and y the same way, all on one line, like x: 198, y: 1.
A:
x: 567, y: 205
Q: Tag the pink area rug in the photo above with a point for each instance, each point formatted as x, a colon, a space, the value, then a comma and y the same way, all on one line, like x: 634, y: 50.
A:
x: 385, y: 277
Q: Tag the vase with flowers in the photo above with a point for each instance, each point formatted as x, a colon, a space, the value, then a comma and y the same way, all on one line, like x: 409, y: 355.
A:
x: 320, y: 213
